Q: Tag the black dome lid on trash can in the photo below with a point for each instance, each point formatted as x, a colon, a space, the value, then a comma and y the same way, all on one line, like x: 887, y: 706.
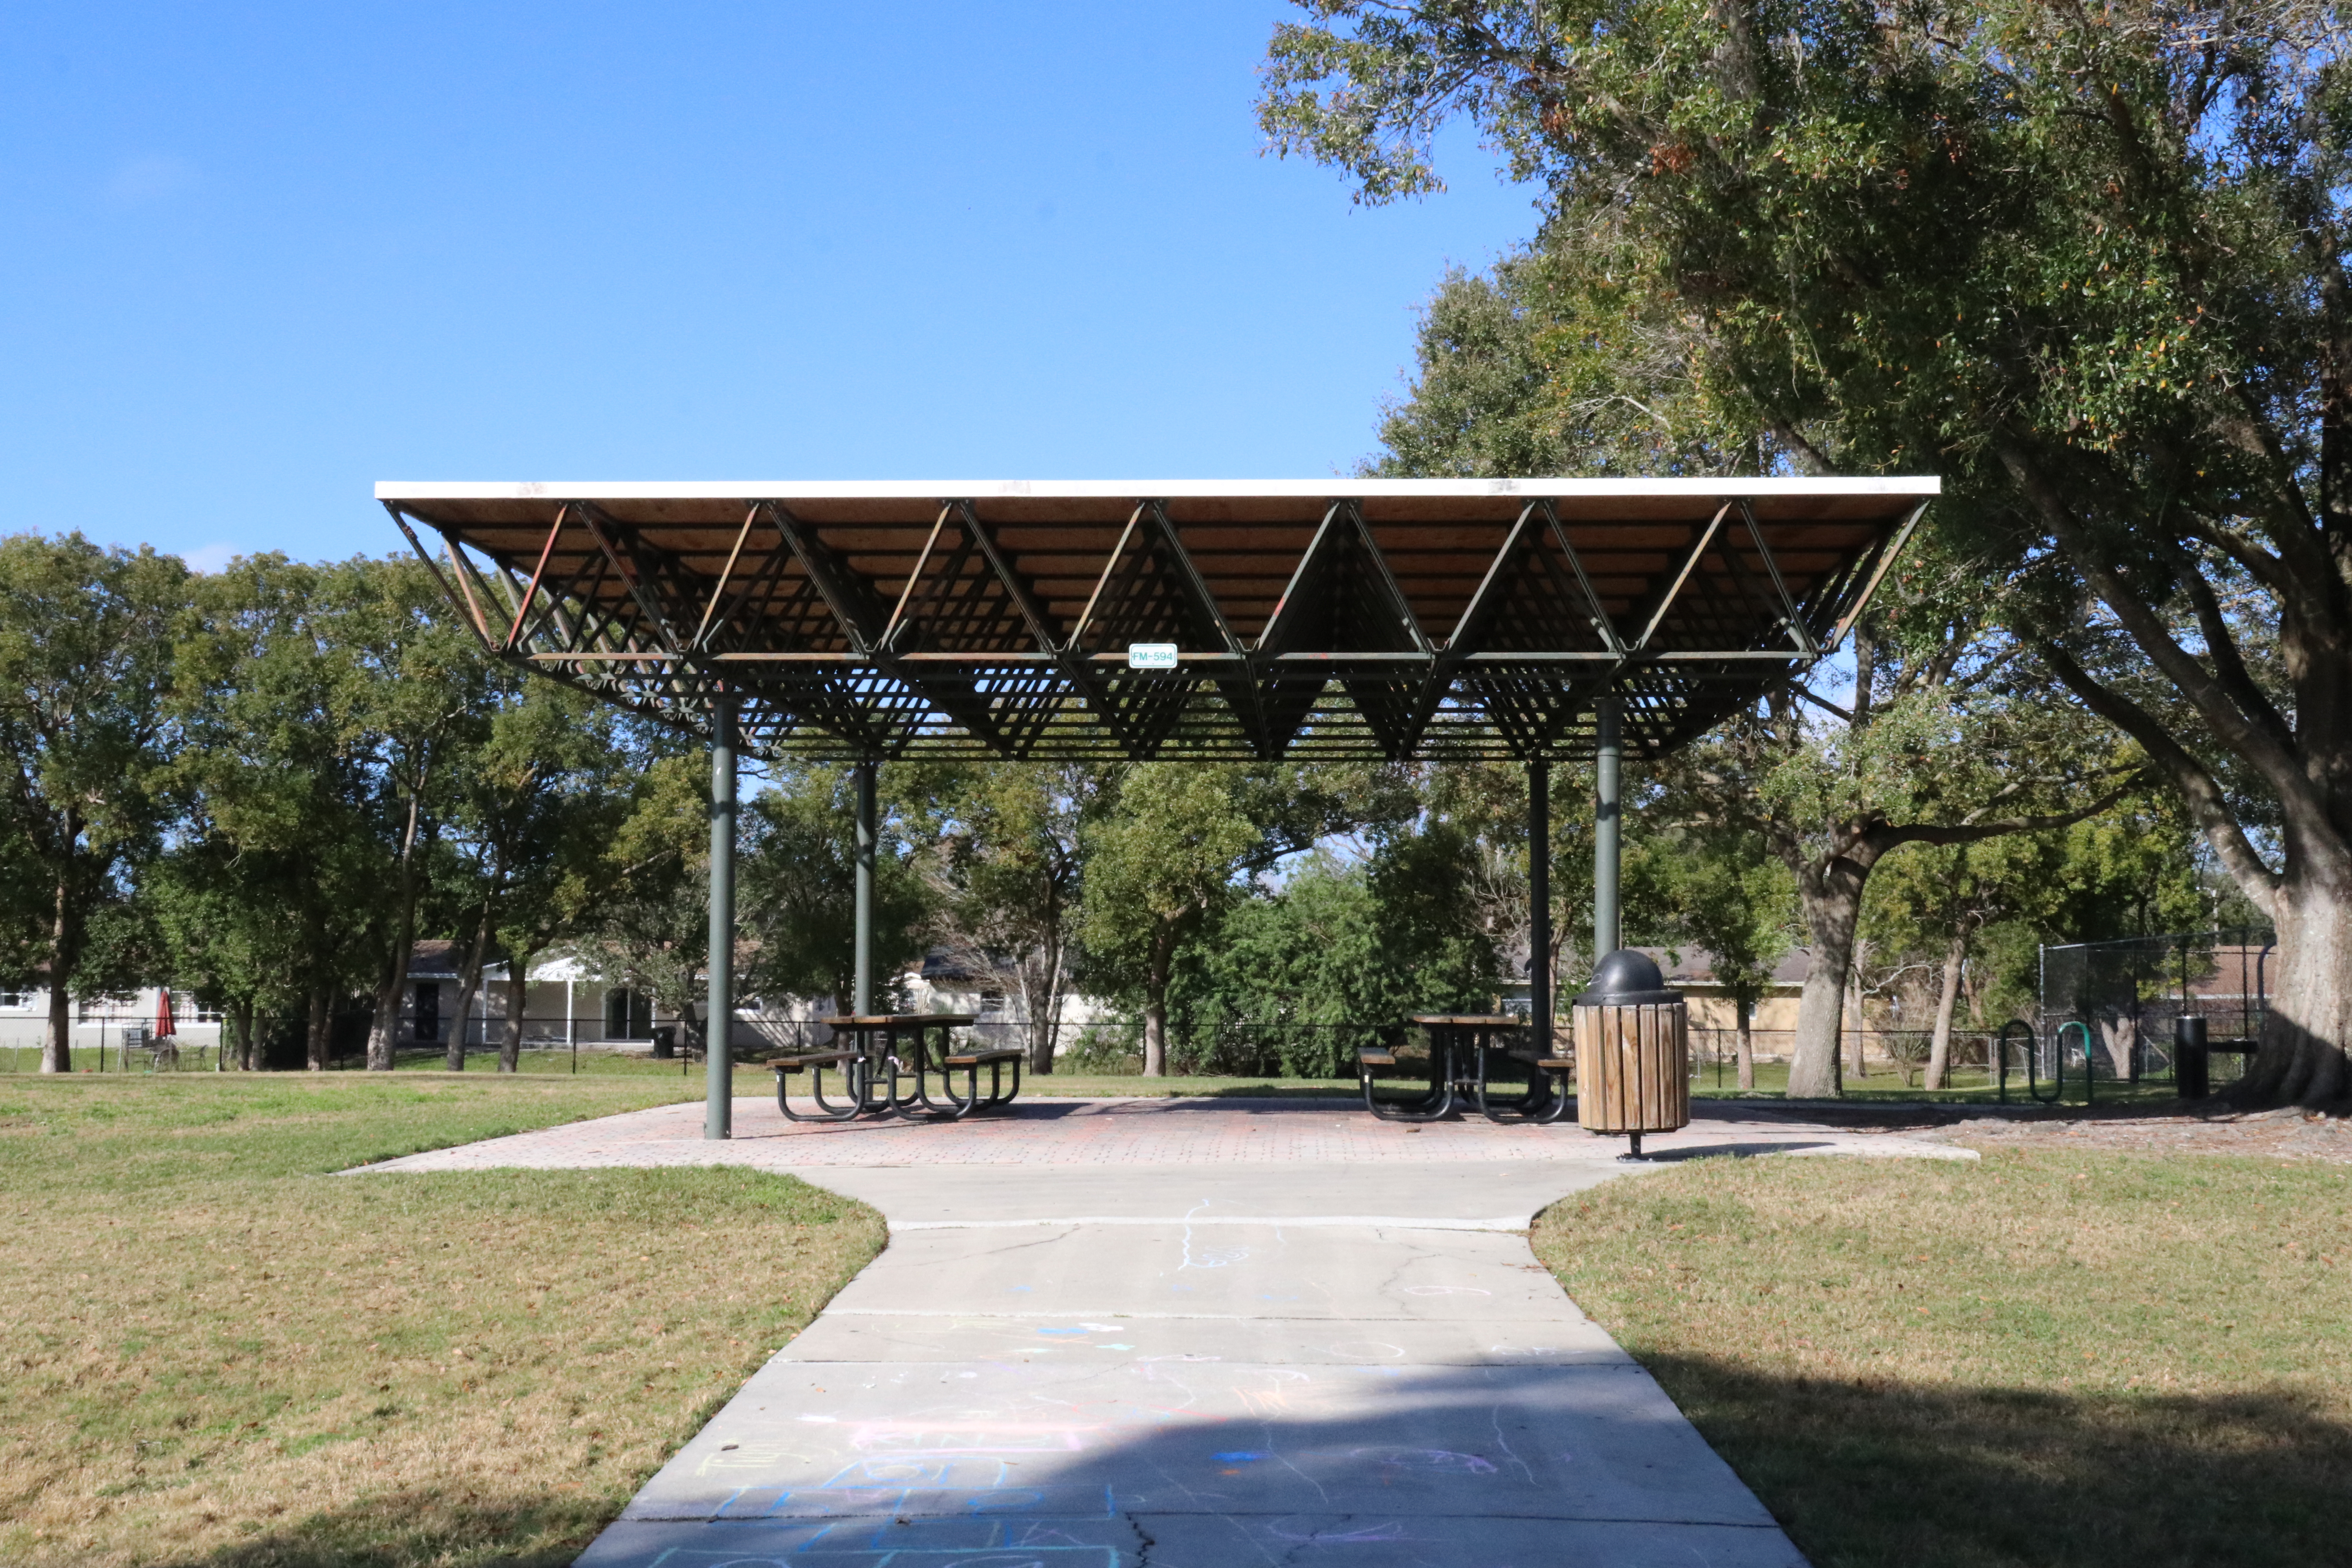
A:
x: 1626, y: 979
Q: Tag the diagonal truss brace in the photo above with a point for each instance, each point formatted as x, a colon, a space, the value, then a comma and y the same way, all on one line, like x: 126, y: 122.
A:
x: 1602, y: 624
x: 1798, y: 633
x: 1150, y: 534
x: 1886, y: 554
x: 538, y: 573
x: 1690, y: 564
x: 632, y: 577
x: 717, y: 589
x: 468, y: 613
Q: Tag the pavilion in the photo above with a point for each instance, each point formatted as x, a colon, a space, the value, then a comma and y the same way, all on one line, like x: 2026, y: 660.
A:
x: 1533, y: 620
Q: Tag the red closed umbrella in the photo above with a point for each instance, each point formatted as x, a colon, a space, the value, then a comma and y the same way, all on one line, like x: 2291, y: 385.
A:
x: 163, y: 1029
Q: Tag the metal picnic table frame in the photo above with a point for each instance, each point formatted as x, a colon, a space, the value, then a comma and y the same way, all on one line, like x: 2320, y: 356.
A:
x: 1462, y: 1048
x: 880, y: 1048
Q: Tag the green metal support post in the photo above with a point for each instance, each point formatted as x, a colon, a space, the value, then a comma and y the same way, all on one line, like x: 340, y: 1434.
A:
x: 862, y: 1003
x: 718, y: 1060
x: 1540, y: 904
x: 1607, y: 930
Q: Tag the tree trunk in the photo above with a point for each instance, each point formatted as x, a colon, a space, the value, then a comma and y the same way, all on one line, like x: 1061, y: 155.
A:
x: 1939, y: 1050
x: 469, y: 983
x: 2308, y: 1021
x: 318, y: 1038
x: 1155, y: 1006
x: 1155, y: 1038
x: 1746, y: 1046
x: 1857, y: 1045
x: 240, y: 1034
x: 1831, y: 905
x: 57, y: 1052
x: 384, y: 1030
x: 2120, y: 1039
x: 1045, y: 1004
x: 517, y: 993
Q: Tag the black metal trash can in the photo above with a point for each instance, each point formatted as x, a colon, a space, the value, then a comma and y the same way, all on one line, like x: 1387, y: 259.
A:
x: 2192, y: 1060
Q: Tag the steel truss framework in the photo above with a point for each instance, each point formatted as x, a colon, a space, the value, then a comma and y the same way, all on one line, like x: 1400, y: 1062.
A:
x: 1345, y: 619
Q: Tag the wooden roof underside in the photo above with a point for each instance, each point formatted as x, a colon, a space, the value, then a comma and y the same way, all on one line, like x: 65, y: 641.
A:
x: 1377, y: 621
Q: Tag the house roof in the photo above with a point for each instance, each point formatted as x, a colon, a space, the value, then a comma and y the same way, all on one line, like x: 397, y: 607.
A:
x: 435, y: 959
x: 1696, y: 965
x: 1325, y: 617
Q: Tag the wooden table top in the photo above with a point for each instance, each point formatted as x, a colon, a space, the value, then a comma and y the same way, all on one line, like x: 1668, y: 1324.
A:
x: 897, y: 1020
x: 1469, y: 1020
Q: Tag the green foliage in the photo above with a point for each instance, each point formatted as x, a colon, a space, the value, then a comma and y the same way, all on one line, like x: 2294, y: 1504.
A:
x: 1174, y: 848
x: 1008, y: 875
x: 796, y: 889
x: 1343, y: 942
x: 538, y: 804
x: 86, y: 640
x: 1169, y: 856
x: 652, y: 931
x: 2130, y: 871
x: 262, y: 895
x: 1733, y: 898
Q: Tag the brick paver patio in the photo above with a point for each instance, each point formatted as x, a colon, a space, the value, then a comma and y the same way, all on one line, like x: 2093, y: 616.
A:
x: 1158, y: 1132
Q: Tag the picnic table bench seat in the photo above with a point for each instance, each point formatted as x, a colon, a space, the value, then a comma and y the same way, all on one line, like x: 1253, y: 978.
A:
x: 984, y: 1059
x: 812, y: 1060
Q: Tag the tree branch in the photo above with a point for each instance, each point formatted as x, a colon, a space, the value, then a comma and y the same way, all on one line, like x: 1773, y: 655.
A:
x: 2196, y: 783
x: 2278, y: 764
x: 2229, y: 665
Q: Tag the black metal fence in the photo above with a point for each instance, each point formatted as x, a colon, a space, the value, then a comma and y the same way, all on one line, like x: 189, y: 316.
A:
x: 281, y: 1043
x: 1899, y: 1055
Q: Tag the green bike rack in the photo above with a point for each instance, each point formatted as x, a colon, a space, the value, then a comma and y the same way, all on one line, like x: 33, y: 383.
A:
x: 2084, y: 1030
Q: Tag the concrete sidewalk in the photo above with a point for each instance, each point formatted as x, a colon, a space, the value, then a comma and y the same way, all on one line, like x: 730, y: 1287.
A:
x: 1201, y: 1362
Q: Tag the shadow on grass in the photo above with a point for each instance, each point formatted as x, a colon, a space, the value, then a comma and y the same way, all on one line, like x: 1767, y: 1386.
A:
x: 458, y: 1525
x: 1869, y: 1473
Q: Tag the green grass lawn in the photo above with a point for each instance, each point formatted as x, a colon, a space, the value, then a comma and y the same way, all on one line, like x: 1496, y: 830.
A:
x: 2047, y: 1358
x: 221, y: 1354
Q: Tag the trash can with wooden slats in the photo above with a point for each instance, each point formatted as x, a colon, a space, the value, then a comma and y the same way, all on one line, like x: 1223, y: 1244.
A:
x: 1632, y: 1051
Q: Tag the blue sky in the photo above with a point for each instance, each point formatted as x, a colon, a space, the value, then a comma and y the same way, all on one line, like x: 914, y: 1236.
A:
x: 257, y: 257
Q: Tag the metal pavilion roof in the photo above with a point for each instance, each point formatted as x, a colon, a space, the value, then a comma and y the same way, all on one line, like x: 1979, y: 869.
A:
x: 1322, y: 618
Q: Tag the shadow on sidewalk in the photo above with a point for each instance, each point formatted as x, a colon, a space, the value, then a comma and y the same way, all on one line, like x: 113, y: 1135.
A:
x: 1458, y: 1464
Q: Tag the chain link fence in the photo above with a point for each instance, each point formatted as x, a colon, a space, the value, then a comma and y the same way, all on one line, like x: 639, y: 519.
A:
x: 2106, y: 1010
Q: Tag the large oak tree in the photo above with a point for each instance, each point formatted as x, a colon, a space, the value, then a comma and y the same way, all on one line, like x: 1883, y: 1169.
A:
x: 2088, y: 263
x: 86, y: 639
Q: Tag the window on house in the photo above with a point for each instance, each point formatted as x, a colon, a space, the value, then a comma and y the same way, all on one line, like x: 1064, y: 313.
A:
x: 17, y: 999
x: 628, y: 1016
x: 991, y: 1001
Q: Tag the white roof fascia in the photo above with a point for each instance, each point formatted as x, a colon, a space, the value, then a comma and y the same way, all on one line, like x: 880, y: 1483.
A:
x: 1157, y: 489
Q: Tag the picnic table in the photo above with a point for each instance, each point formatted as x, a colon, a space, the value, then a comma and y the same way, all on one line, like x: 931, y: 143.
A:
x: 873, y: 1052
x: 1464, y: 1048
